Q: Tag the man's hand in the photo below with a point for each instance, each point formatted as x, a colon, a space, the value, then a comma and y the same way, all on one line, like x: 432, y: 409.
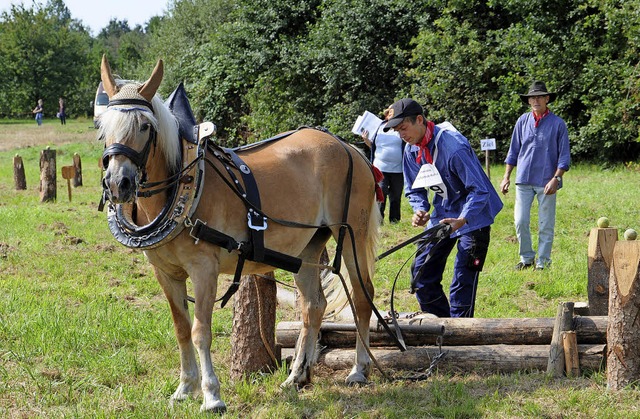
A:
x: 420, y: 218
x: 455, y: 223
x: 504, y: 185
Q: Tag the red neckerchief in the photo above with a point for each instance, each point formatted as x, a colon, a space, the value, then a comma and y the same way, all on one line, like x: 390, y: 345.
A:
x: 428, y: 135
x: 537, y: 118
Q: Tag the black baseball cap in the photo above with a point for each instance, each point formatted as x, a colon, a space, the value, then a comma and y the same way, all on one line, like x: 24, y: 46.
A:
x: 400, y: 110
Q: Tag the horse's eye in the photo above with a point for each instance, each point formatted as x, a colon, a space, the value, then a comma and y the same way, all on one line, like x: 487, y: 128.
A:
x: 144, y: 127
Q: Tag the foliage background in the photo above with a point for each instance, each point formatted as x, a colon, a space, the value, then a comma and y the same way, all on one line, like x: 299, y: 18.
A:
x: 258, y: 67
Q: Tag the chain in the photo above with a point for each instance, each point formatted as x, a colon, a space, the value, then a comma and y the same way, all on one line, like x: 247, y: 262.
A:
x: 423, y: 375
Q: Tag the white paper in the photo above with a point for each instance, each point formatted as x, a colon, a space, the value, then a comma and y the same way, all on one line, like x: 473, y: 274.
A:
x: 429, y: 178
x: 366, y: 122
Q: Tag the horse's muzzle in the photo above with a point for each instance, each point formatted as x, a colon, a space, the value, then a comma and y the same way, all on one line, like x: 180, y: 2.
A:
x: 120, y: 187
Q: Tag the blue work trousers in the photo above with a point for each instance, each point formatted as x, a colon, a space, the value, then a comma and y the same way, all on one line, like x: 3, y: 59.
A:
x: 428, y: 267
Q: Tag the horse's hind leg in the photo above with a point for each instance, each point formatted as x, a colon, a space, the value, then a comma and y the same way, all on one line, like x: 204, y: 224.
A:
x: 313, y: 304
x: 176, y: 293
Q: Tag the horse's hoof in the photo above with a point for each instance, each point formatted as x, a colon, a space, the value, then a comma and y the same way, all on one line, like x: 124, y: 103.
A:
x: 217, y: 407
x: 356, y: 379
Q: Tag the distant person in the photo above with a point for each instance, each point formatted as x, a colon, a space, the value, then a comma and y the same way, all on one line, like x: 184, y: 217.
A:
x: 62, y: 112
x: 540, y: 149
x: 39, y: 112
x: 386, y: 155
x: 462, y: 196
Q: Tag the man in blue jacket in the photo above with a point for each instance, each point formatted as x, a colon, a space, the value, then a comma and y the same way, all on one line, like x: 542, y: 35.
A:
x: 540, y: 149
x: 441, y: 160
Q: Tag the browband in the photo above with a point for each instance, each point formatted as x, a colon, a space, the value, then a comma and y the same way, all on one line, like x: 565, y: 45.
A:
x: 141, y: 102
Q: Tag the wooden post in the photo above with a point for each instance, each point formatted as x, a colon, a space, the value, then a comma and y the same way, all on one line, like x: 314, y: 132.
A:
x: 571, y: 359
x: 600, y: 253
x: 19, y: 178
x: 486, y: 163
x: 77, y: 164
x: 68, y: 172
x: 48, y: 185
x: 253, y: 330
x: 563, y: 323
x: 623, y: 333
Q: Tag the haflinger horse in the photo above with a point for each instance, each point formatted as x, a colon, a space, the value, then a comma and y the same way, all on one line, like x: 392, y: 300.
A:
x: 303, y: 178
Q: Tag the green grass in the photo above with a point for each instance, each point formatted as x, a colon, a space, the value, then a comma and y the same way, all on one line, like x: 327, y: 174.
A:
x: 85, y: 330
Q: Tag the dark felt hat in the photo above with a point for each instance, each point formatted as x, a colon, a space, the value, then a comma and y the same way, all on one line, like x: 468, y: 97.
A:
x: 538, y: 88
x: 400, y: 110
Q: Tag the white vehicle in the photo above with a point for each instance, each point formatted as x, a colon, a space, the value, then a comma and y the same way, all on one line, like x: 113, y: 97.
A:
x: 99, y: 104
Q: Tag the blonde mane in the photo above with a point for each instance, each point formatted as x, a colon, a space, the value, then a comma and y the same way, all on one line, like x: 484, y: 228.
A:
x: 118, y: 125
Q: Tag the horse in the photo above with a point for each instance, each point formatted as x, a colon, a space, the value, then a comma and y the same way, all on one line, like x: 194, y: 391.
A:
x: 309, y: 178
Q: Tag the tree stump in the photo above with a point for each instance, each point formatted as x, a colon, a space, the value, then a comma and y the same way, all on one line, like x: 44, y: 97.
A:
x: 48, y: 187
x: 77, y: 164
x: 19, y: 178
x: 623, y: 333
x: 600, y: 253
x: 253, y: 331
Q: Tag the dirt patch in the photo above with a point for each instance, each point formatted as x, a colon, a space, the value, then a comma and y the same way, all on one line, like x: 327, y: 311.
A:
x: 23, y: 135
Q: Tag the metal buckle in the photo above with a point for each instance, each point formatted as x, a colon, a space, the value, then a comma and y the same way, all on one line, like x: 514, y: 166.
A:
x: 253, y: 226
x: 193, y: 226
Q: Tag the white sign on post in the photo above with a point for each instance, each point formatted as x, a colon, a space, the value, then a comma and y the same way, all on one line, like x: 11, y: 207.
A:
x: 488, y: 144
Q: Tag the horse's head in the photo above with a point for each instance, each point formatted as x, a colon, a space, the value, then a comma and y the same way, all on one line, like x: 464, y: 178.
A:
x: 129, y: 129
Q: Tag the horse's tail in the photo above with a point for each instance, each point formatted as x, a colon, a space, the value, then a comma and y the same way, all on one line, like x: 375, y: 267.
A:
x: 332, y: 285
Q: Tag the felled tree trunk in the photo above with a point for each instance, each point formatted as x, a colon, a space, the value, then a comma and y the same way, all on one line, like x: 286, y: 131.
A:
x: 253, y: 330
x: 623, y: 332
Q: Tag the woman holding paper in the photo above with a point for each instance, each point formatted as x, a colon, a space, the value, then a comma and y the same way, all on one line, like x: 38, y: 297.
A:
x: 439, y: 159
x: 386, y: 155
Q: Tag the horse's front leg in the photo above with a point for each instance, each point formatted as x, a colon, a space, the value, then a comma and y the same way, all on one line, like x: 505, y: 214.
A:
x: 204, y: 285
x: 313, y: 304
x: 176, y: 292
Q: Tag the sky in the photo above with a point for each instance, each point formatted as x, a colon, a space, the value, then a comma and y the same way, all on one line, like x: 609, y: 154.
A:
x: 96, y: 14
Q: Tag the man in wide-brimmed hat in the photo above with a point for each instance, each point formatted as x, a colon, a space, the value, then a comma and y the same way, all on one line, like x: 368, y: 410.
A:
x: 540, y: 149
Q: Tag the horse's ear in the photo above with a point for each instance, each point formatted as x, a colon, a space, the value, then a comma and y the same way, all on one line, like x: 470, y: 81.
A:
x: 108, y: 82
x: 150, y: 87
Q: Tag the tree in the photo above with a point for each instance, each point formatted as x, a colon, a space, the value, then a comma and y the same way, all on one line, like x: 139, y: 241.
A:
x: 42, y: 55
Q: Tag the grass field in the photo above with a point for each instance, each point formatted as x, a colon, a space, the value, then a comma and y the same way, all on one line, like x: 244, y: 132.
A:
x: 86, y: 332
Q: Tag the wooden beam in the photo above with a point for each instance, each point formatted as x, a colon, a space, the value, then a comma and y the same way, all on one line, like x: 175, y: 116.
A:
x: 600, y: 255
x: 457, y: 331
x: 482, y: 358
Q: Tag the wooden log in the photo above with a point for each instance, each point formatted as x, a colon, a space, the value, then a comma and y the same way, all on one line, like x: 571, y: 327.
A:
x: 77, y: 164
x: 600, y: 254
x: 19, y: 179
x: 563, y: 323
x: 457, y: 331
x: 254, y: 319
x: 571, y: 359
x: 48, y: 187
x: 487, y: 358
x: 623, y: 333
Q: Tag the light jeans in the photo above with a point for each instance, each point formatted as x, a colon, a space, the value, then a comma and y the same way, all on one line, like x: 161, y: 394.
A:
x: 546, y: 223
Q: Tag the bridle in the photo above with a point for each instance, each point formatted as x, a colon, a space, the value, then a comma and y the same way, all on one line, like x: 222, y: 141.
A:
x: 138, y: 158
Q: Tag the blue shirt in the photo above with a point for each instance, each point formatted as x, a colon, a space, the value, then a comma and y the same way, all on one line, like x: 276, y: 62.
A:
x: 538, y: 152
x: 387, y: 151
x: 470, y: 193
